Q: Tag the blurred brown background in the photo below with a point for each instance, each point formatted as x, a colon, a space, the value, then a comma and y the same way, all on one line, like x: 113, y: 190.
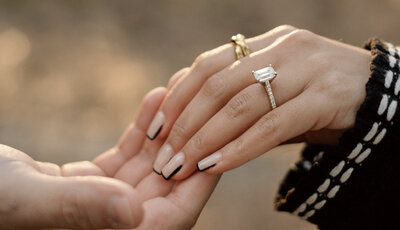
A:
x: 73, y: 72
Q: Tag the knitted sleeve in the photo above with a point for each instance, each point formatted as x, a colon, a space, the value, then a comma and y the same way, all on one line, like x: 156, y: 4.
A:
x: 356, y: 184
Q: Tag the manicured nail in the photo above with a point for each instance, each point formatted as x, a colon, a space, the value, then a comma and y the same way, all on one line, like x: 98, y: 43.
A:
x: 173, y: 166
x: 120, y: 213
x: 163, y: 157
x: 156, y: 126
x: 209, y: 161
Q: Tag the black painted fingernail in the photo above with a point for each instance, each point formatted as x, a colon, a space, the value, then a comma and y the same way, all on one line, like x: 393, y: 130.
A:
x: 156, y: 172
x: 204, y: 169
x: 155, y: 135
x: 173, y: 166
x: 156, y: 126
x: 172, y: 174
x: 209, y: 161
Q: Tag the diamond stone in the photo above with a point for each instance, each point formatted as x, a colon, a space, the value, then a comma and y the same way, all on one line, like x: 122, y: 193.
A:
x: 265, y: 74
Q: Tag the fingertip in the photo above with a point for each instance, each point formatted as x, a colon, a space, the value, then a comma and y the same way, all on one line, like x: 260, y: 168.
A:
x: 214, y: 169
x: 149, y: 107
x: 178, y: 75
x: 217, y: 167
x: 186, y: 172
x: 154, y: 96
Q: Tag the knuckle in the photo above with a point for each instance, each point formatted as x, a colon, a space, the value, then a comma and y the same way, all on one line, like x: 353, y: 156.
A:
x: 240, y: 148
x: 268, y: 125
x: 213, y: 87
x: 285, y: 28
x: 196, y: 143
x: 74, y: 213
x: 239, y: 105
x: 178, y: 133
x: 201, y: 63
x: 300, y: 37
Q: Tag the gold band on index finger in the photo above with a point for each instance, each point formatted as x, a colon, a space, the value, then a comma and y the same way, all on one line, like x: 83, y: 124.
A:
x: 240, y: 45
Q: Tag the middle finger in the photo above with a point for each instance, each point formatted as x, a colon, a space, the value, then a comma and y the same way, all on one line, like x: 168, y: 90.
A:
x: 205, y: 109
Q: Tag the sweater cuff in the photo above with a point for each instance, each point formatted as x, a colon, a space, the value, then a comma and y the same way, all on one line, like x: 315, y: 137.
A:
x: 342, y: 186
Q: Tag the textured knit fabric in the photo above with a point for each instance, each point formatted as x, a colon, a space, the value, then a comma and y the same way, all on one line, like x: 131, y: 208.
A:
x: 356, y: 184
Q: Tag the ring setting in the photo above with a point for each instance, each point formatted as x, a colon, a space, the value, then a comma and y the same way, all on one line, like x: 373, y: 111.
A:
x: 265, y: 76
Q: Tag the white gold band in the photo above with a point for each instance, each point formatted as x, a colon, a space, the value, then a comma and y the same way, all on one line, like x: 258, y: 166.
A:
x: 270, y: 95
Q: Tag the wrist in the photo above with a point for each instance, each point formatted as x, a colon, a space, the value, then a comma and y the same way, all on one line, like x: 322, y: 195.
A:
x: 332, y: 185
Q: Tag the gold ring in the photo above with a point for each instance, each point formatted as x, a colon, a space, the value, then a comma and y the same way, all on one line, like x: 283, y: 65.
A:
x: 265, y: 76
x: 241, y: 47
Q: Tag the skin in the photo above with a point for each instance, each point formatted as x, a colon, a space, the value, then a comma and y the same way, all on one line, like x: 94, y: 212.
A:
x: 78, y: 195
x: 218, y: 106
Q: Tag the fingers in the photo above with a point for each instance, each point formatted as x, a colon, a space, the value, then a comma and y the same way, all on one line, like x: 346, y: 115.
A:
x: 182, y: 206
x: 205, y: 66
x: 153, y: 186
x: 81, y: 168
x: 133, y: 138
x: 76, y: 203
x: 49, y: 168
x: 193, y: 193
x: 134, y: 170
x: 240, y: 112
x: 176, y: 77
x: 287, y: 121
x: 206, y: 104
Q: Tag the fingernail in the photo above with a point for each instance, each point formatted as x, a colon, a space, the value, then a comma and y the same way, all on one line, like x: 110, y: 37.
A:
x: 163, y: 157
x: 173, y: 166
x: 209, y: 161
x: 120, y: 213
x: 156, y: 126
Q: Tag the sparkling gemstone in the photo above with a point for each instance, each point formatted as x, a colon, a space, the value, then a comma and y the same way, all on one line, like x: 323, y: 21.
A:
x: 265, y: 74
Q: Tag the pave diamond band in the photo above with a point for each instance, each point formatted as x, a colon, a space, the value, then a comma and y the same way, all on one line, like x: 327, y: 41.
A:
x: 265, y: 76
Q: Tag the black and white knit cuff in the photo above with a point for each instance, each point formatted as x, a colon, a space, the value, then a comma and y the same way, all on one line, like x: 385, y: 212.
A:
x: 353, y: 184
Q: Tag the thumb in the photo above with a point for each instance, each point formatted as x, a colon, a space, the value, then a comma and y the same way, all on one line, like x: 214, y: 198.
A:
x: 89, y: 202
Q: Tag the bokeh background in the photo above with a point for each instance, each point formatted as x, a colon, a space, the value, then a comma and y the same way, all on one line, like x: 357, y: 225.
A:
x: 72, y: 74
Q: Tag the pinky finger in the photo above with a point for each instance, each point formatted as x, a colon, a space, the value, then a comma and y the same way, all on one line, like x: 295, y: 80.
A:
x: 134, y: 136
x: 291, y: 119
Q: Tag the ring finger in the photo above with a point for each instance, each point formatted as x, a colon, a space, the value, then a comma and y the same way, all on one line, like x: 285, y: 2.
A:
x: 205, y: 66
x: 235, y: 117
x: 223, y: 125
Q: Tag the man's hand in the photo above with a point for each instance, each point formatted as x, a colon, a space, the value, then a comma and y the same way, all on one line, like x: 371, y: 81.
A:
x: 109, y: 192
x: 167, y: 204
x: 35, y: 195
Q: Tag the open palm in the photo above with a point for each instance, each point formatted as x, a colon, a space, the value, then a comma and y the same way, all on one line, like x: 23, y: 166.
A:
x: 167, y: 204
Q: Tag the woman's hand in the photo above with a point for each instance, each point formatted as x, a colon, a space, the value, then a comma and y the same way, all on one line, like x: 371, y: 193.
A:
x: 219, y: 117
x: 167, y: 204
x: 109, y: 192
